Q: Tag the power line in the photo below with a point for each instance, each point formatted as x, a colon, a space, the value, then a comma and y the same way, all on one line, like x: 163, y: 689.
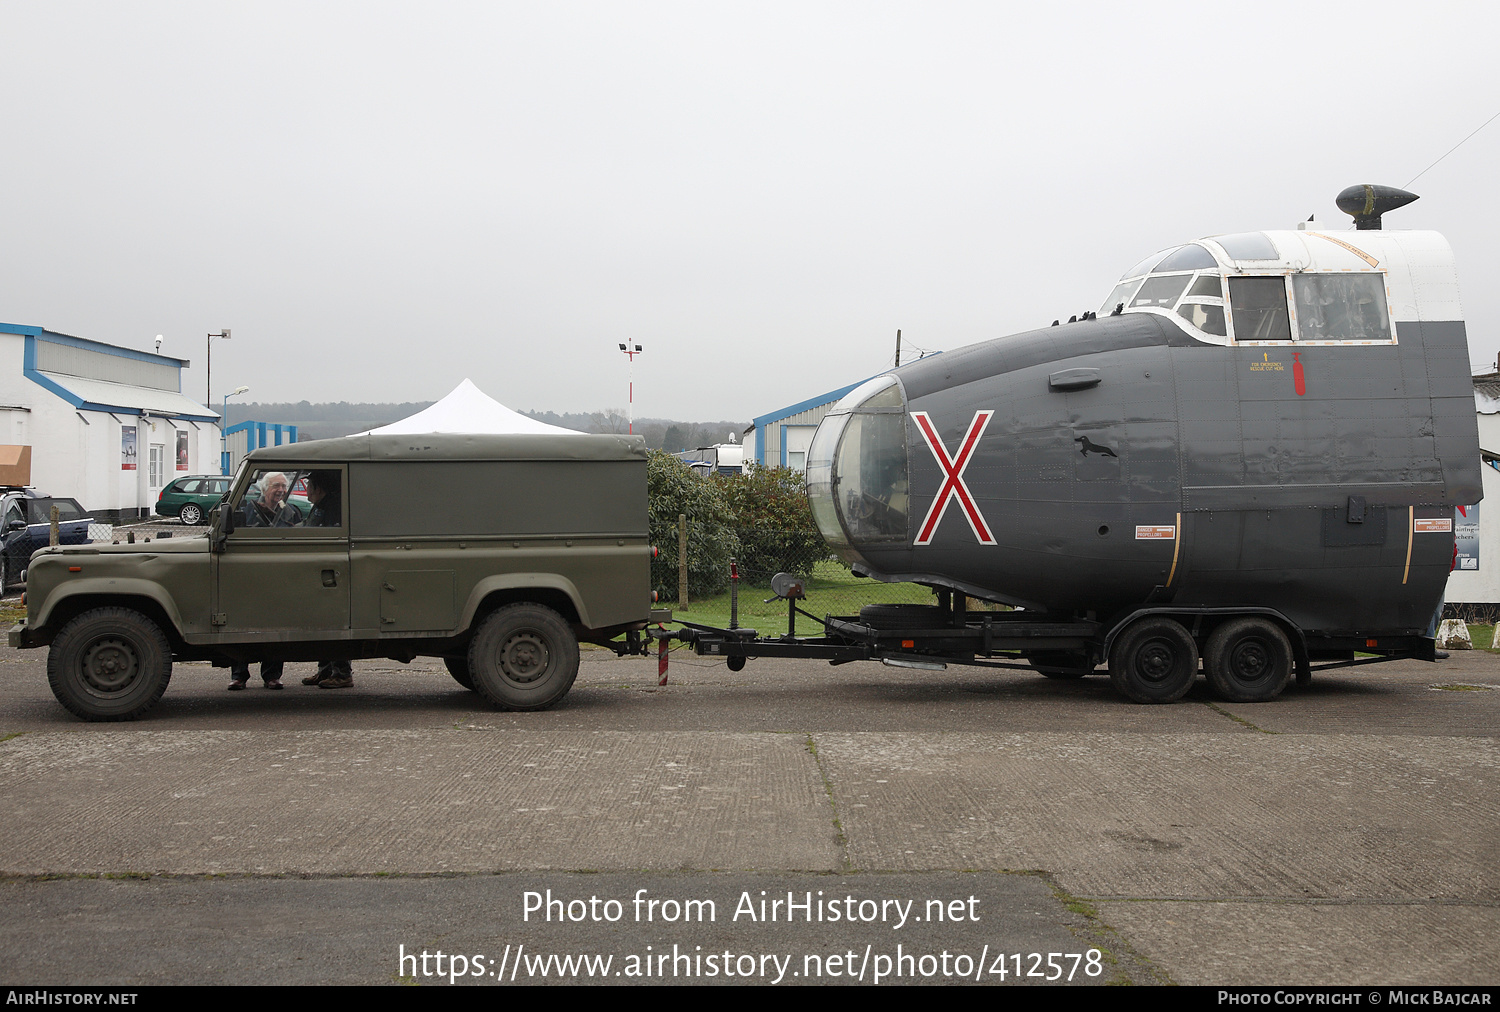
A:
x: 1450, y: 151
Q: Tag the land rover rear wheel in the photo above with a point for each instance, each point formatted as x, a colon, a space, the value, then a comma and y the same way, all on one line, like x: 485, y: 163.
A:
x: 191, y: 515
x: 1154, y: 661
x: 1248, y: 660
x: 109, y: 664
x: 458, y: 667
x: 524, y: 657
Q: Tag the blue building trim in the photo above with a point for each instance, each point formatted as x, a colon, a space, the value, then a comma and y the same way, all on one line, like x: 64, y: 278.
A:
x: 258, y: 435
x: 29, y: 370
x: 52, y: 337
x: 761, y: 422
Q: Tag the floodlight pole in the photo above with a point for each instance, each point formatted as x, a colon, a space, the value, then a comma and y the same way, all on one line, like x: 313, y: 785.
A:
x: 631, y: 351
x: 208, y: 382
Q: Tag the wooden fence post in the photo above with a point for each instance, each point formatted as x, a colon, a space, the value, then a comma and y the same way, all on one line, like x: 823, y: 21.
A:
x: 682, y: 595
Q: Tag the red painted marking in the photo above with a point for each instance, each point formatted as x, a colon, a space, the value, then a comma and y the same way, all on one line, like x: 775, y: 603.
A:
x: 953, y: 482
x: 1297, y: 378
x: 661, y: 661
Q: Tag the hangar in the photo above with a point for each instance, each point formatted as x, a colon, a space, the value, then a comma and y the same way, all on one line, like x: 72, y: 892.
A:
x: 108, y: 426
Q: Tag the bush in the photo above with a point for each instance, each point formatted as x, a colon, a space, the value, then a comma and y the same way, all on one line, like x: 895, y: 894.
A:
x: 673, y: 489
x: 774, y: 522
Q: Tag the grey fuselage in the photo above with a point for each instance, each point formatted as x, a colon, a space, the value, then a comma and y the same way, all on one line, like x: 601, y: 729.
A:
x: 1129, y: 462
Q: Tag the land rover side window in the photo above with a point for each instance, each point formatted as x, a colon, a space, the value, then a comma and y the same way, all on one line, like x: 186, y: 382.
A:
x: 1259, y: 307
x: 284, y: 500
x: 1341, y: 307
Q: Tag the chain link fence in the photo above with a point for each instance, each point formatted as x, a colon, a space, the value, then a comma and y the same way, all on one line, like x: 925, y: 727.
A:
x: 760, y: 553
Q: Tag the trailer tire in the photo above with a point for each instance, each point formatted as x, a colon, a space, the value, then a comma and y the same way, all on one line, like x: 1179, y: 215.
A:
x: 734, y: 662
x: 458, y: 667
x: 1154, y: 661
x: 1060, y: 664
x: 524, y: 657
x: 1248, y: 660
x: 109, y: 664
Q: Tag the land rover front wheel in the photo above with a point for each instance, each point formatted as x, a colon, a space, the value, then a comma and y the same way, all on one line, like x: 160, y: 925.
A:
x: 109, y: 664
x: 1154, y: 661
x: 524, y: 657
x: 458, y: 667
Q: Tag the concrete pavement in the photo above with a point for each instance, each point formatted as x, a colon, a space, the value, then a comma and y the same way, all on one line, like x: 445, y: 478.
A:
x: 1346, y: 833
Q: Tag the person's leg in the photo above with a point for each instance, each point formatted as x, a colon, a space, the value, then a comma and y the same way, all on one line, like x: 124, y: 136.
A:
x: 239, y: 674
x: 340, y: 675
x: 318, y: 675
x: 270, y: 673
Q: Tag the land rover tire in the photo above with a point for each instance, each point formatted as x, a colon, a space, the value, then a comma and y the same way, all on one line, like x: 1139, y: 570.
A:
x: 191, y: 515
x: 1060, y: 663
x: 1153, y: 661
x: 1248, y: 660
x: 458, y: 667
x: 524, y: 657
x: 109, y: 664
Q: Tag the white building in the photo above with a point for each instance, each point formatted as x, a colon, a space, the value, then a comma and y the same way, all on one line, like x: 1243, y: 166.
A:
x: 1476, y: 577
x: 108, y: 426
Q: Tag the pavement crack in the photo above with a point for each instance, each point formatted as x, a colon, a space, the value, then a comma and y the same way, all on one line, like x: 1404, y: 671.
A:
x: 1237, y: 719
x: 838, y: 826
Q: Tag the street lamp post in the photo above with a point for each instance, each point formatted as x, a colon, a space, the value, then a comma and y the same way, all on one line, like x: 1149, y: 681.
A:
x: 631, y: 352
x: 223, y: 439
x: 208, y: 383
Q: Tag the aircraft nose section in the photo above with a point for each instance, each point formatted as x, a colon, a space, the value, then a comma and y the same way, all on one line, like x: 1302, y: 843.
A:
x: 857, y: 469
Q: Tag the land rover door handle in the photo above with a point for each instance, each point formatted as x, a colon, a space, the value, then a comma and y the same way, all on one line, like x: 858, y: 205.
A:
x: 330, y: 577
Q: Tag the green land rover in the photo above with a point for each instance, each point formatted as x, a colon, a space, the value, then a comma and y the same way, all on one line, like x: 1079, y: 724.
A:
x: 535, y: 543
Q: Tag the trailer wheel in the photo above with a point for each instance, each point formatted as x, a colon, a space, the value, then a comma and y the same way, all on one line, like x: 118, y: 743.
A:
x: 109, y: 664
x: 524, y: 657
x: 1248, y: 660
x: 1154, y: 661
x: 735, y: 662
x: 1060, y: 663
x: 458, y: 667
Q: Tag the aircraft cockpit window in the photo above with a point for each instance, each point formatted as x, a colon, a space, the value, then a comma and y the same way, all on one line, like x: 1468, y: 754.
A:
x: 1189, y: 258
x: 1259, y: 307
x: 1341, y: 307
x: 1248, y: 246
x: 1207, y: 285
x: 1120, y: 296
x: 1146, y: 264
x: 857, y: 466
x: 1161, y: 292
x: 1207, y: 318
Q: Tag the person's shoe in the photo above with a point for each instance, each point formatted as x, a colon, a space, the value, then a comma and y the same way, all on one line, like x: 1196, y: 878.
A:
x: 1441, y: 655
x: 273, y: 683
x: 337, y: 682
x: 315, y: 677
x: 237, y: 684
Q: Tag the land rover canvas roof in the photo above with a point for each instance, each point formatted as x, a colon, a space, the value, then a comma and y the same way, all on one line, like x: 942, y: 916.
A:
x: 451, y: 446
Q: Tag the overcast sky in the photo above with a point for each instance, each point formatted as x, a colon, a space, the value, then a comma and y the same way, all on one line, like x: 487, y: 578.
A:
x: 383, y: 199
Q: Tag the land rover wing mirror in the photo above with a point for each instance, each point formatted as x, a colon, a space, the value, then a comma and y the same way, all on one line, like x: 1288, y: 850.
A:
x: 222, y: 526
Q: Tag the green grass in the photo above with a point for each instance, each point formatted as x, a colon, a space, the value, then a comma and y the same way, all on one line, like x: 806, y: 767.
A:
x: 831, y: 590
x: 1482, y: 636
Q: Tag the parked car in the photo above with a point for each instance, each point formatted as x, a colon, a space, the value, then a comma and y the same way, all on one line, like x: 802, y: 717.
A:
x: 28, y: 526
x: 192, y: 498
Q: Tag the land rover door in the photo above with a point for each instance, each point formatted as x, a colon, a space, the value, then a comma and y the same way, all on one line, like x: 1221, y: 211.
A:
x: 282, y: 576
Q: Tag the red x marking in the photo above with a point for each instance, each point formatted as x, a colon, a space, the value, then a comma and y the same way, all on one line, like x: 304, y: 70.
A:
x: 953, y: 483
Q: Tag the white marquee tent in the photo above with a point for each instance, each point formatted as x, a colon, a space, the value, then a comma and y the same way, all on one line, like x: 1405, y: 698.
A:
x: 468, y: 411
